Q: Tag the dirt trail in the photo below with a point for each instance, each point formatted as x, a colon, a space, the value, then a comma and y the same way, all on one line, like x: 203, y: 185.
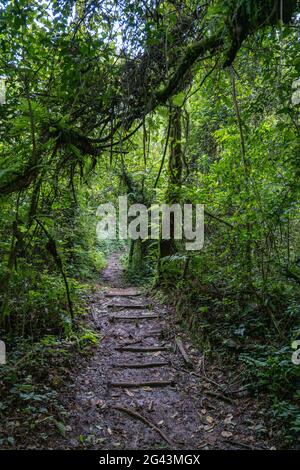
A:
x: 138, y: 392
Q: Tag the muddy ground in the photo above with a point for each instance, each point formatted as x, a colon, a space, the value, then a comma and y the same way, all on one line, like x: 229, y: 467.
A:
x: 147, y: 387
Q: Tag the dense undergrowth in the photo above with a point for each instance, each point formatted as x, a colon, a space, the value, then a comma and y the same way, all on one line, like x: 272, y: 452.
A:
x: 239, y: 295
x: 43, y: 340
x: 233, y: 328
x: 32, y: 383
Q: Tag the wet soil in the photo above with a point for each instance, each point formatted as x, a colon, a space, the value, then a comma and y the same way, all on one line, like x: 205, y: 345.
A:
x: 147, y: 387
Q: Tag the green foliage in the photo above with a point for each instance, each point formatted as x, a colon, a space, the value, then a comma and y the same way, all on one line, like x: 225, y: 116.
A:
x: 239, y: 296
x: 31, y: 382
x: 271, y: 370
x: 86, y: 338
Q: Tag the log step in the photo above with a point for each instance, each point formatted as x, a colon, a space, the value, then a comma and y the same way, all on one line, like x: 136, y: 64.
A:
x: 133, y: 317
x: 129, y: 306
x: 139, y: 365
x: 161, y: 383
x: 122, y: 294
x: 143, y: 348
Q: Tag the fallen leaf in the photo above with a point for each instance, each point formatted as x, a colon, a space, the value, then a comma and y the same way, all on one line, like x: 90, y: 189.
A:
x: 226, y: 434
x: 228, y: 419
x: 61, y: 427
x: 208, y: 428
x: 201, y: 445
x: 150, y: 407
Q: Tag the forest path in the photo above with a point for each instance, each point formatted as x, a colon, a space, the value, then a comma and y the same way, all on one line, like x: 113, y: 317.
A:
x: 139, y: 392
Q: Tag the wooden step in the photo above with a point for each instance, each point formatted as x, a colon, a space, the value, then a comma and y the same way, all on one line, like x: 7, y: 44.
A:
x: 122, y: 294
x: 129, y: 306
x: 148, y: 383
x: 133, y: 317
x: 140, y: 365
x: 142, y: 348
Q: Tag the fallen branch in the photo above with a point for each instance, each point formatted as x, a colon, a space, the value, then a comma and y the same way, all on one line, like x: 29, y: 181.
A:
x: 183, y: 352
x: 149, y: 423
x: 218, y: 395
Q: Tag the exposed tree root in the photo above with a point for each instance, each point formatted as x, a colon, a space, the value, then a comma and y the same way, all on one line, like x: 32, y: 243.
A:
x: 137, y: 415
